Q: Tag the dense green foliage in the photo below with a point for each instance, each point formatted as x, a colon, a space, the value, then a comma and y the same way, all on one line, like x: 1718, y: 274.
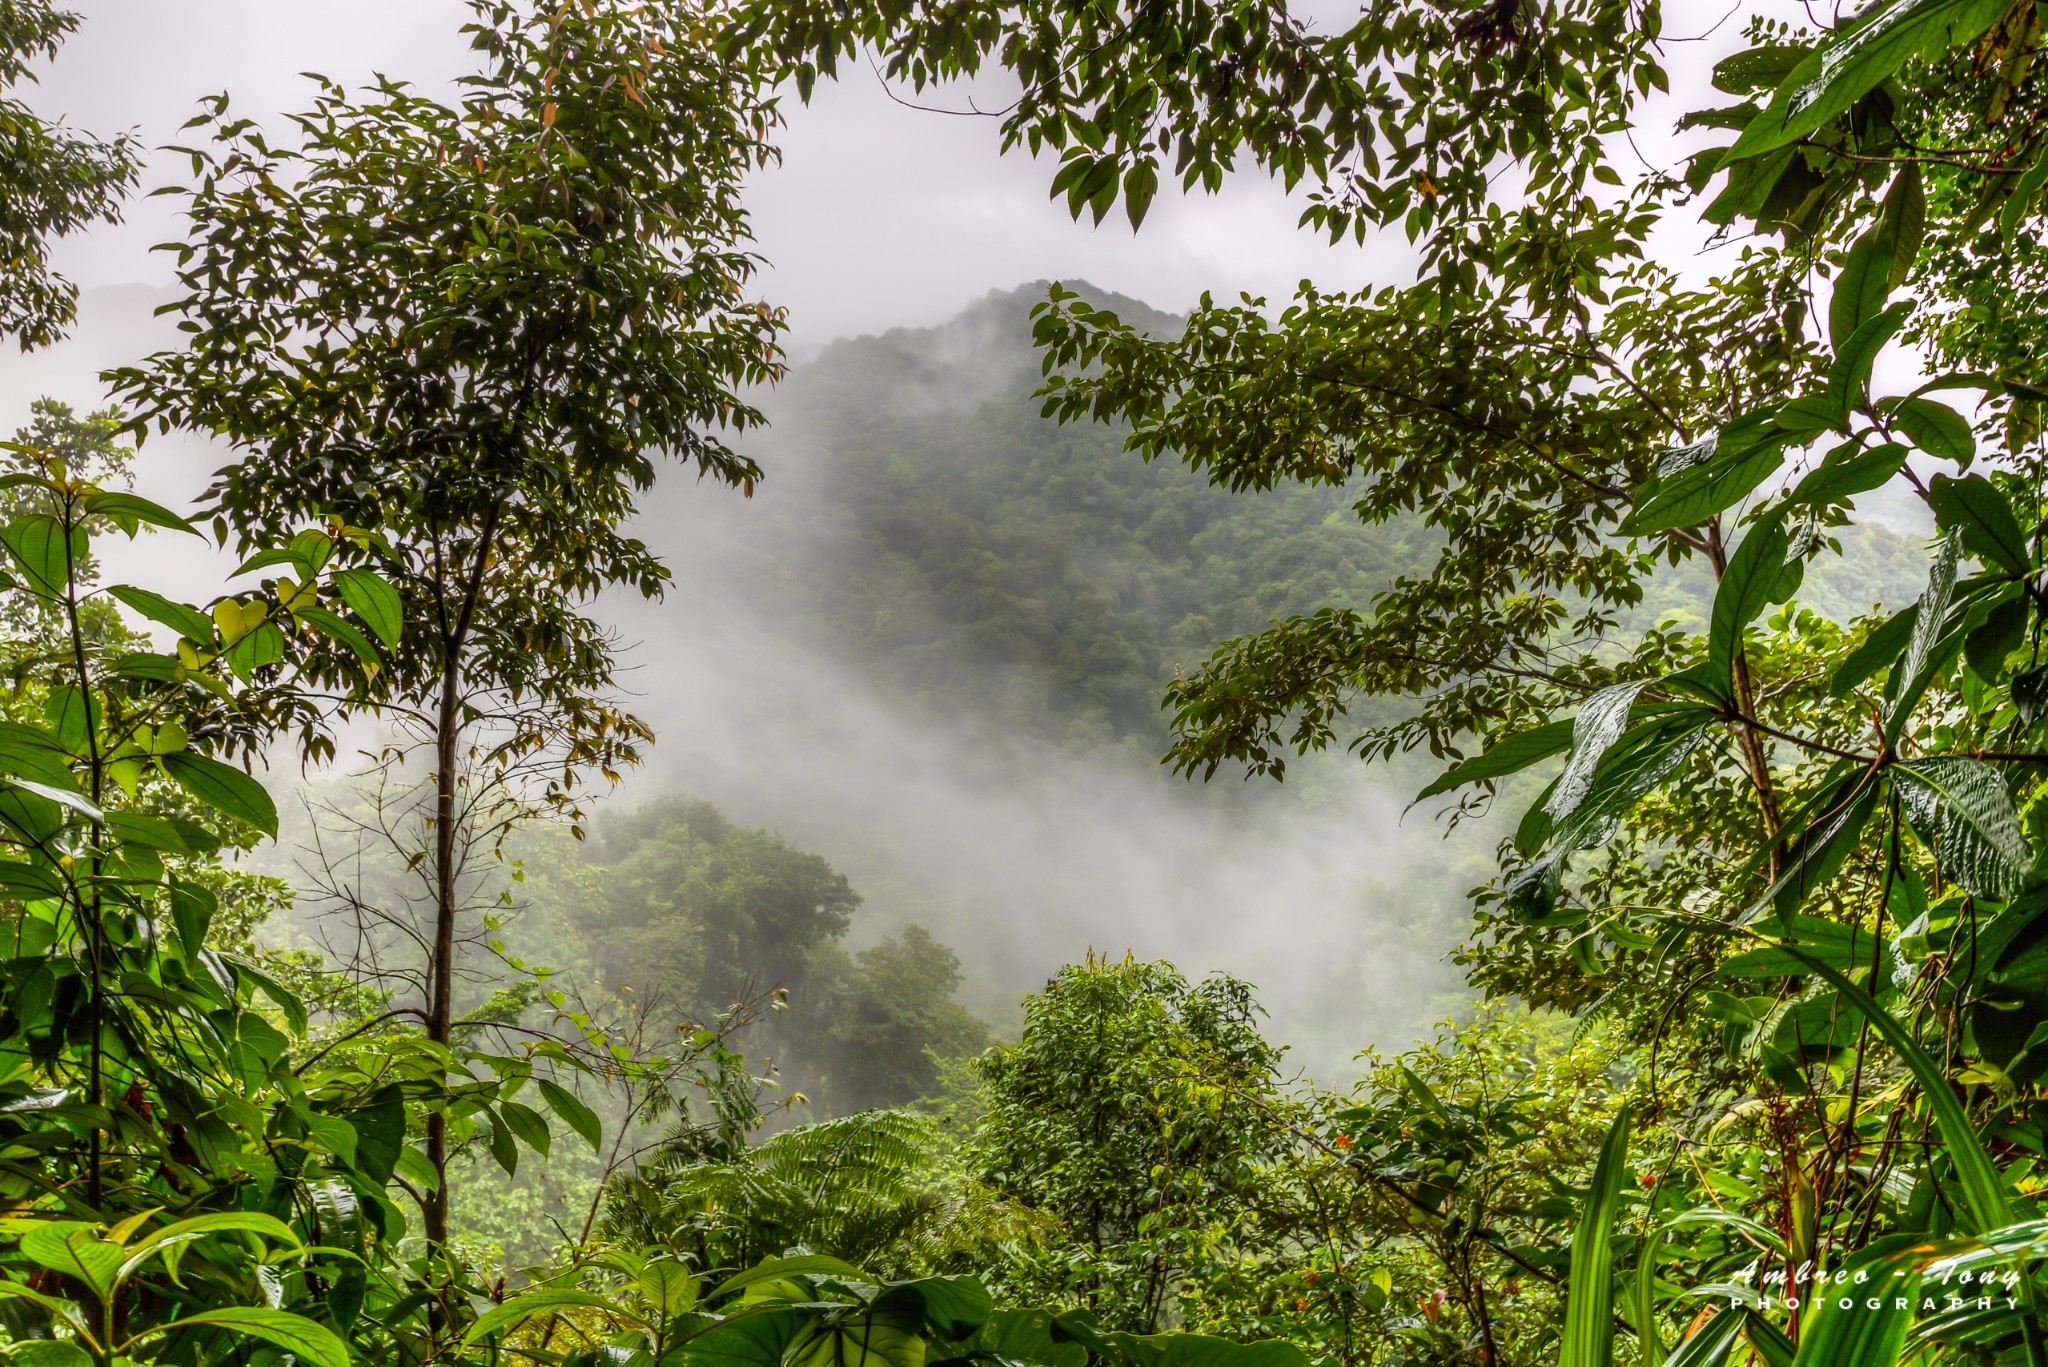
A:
x: 1795, y: 863
x: 1779, y: 894
x: 932, y: 528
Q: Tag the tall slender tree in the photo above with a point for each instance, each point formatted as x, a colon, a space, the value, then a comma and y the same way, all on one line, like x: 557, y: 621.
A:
x: 471, y: 329
x: 53, y: 180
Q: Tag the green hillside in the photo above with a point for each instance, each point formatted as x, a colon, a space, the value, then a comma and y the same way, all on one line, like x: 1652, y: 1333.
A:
x: 973, y: 556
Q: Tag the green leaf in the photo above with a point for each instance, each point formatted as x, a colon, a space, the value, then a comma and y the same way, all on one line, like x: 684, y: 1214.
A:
x: 1861, y: 288
x: 62, y: 1309
x: 503, y: 1149
x: 313, y: 1344
x: 1857, y: 471
x: 224, y: 788
x: 373, y: 599
x: 1936, y: 428
x: 542, y: 1302
x: 1598, y: 725
x: 185, y: 1231
x: 75, y: 1249
x: 760, y: 1339
x: 129, y: 509
x: 668, y: 1284
x: 47, y: 1353
x: 1745, y: 453
x: 336, y: 628
x: 1772, y: 1347
x: 526, y: 1125
x: 1854, y: 61
x: 1589, y: 1291
x: 1844, y: 947
x: 777, y: 1269
x: 1877, y: 650
x: 1975, y: 508
x: 1711, y: 1342
x: 1842, y: 1328
x: 2022, y: 197
x: 1904, y: 220
x: 1749, y: 585
x: 188, y: 622
x: 949, y: 1307
x: 43, y: 552
x: 287, y: 1001
x: 63, y: 797
x: 1963, y: 803
x: 1923, y: 657
x: 1849, y: 376
x: 573, y: 1112
x: 1507, y: 756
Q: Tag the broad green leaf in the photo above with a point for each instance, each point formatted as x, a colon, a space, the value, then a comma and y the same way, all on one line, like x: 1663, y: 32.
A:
x: 75, y: 1249
x: 43, y: 552
x: 760, y: 1339
x: 2022, y: 197
x: 1921, y: 659
x: 1507, y: 756
x: 313, y: 1344
x: 63, y: 797
x: 1588, y: 1339
x: 573, y: 1112
x: 1598, y: 725
x: 1844, y: 947
x: 1855, y: 472
x: 1973, y: 508
x: 224, y: 788
x: 287, y: 1001
x: 190, y: 623
x: 185, y: 1231
x: 373, y: 599
x: 1963, y: 804
x: 1861, y: 288
x: 1935, y: 428
x: 1904, y: 220
x: 47, y: 1353
x: 526, y: 1125
x: 1849, y: 376
x: 948, y: 1307
x: 1746, y: 452
x: 129, y: 509
x: 668, y: 1284
x: 1876, y: 651
x: 33, y: 752
x: 780, y: 1269
x: 1749, y: 585
x: 860, y: 1341
x: 64, y: 1310
x: 545, y: 1301
x: 339, y: 629
x: 1854, y: 61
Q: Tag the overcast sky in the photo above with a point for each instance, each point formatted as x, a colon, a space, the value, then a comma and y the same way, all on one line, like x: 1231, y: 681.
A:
x: 880, y: 215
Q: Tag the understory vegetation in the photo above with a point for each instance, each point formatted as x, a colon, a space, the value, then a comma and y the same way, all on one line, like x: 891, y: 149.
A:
x: 1755, y: 1067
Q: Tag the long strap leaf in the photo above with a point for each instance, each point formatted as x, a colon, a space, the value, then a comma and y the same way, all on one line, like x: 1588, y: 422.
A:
x: 1589, y: 1294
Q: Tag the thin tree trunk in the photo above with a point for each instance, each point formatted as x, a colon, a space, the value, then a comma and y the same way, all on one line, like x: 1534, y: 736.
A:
x: 441, y: 969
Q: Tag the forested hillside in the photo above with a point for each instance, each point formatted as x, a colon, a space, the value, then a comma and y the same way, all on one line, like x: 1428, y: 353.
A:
x: 927, y: 521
